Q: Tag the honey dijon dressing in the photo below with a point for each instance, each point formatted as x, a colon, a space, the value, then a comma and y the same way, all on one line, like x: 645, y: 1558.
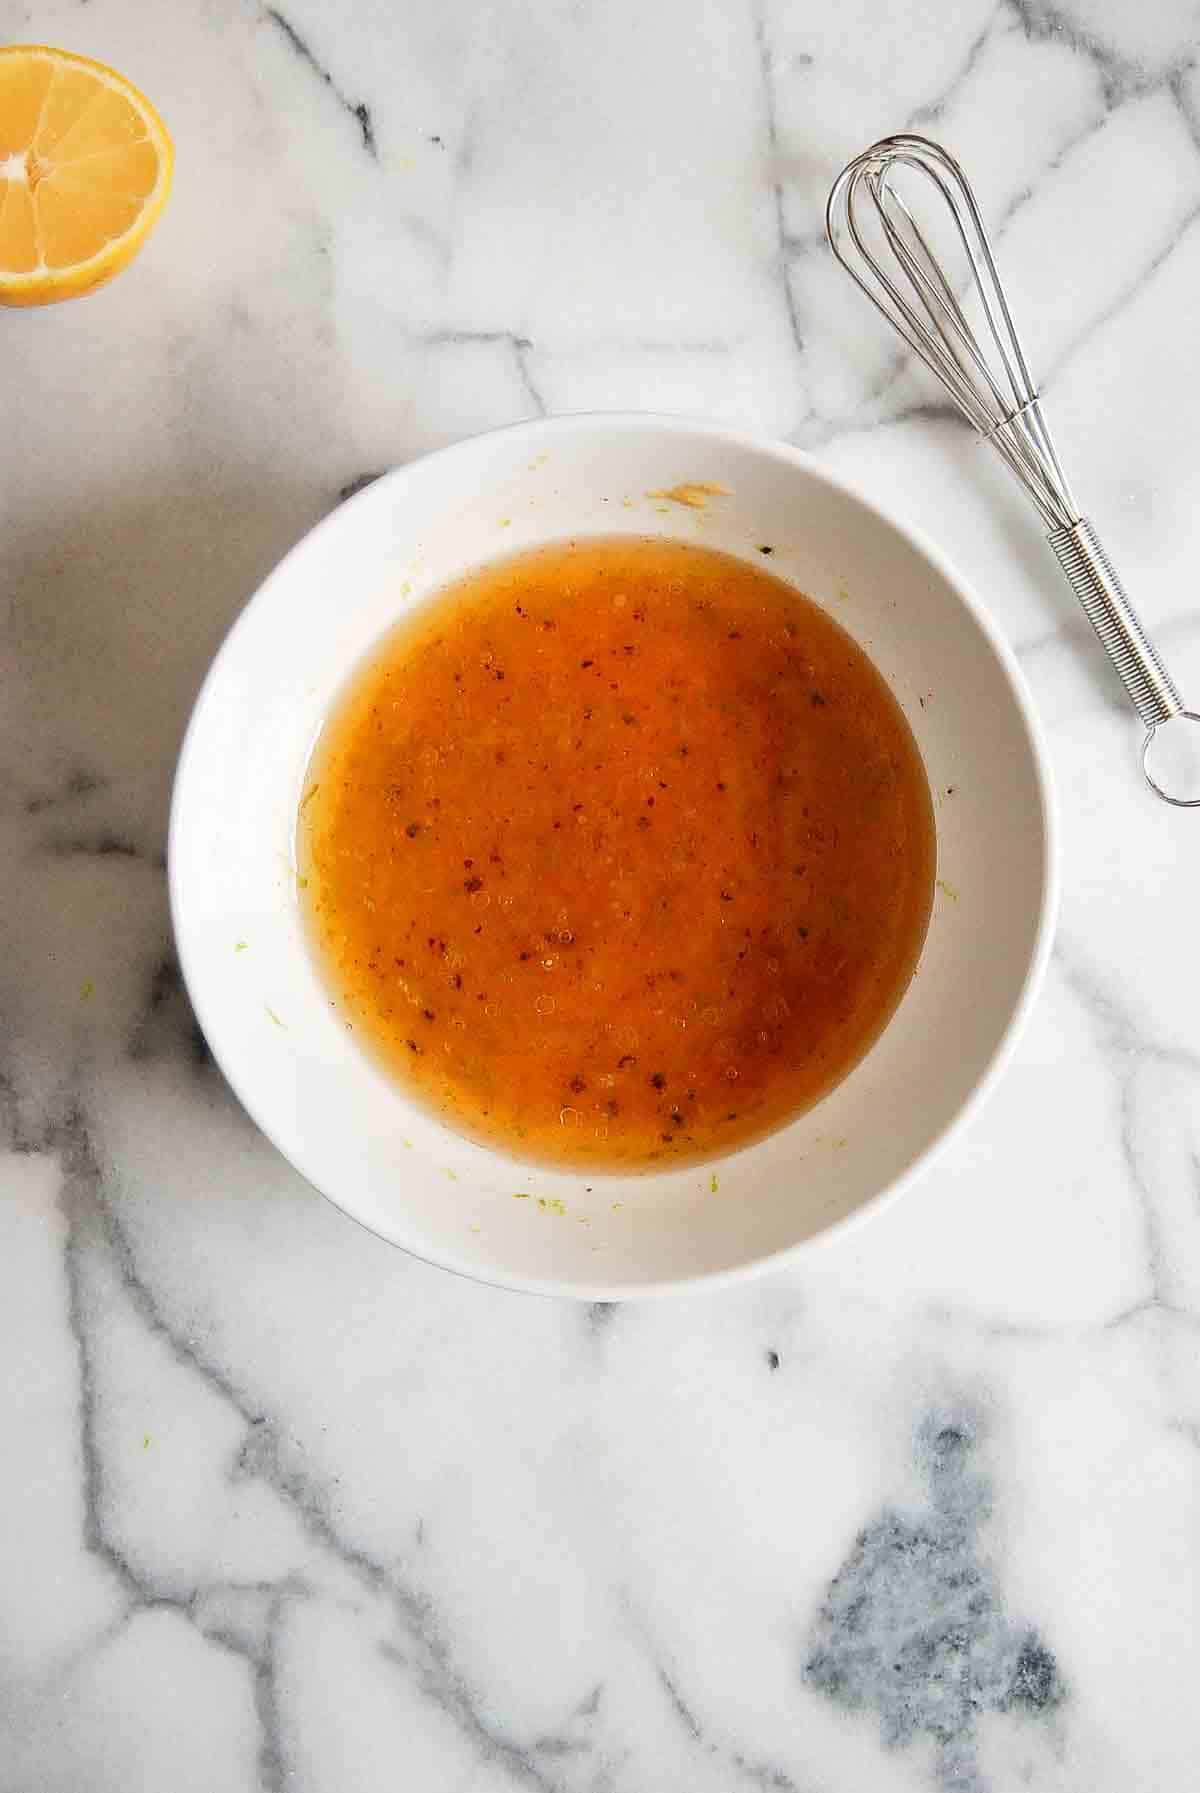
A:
x: 619, y: 853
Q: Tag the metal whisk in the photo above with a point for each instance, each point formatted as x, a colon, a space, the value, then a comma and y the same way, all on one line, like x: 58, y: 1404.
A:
x: 990, y: 383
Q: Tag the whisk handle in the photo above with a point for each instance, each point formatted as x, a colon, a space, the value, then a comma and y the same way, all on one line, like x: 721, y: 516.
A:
x: 1095, y: 582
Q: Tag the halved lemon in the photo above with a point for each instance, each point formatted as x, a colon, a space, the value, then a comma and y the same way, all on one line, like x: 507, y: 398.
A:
x: 85, y: 165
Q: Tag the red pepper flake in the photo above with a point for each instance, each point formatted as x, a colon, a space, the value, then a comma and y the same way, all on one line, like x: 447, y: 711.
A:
x: 471, y: 885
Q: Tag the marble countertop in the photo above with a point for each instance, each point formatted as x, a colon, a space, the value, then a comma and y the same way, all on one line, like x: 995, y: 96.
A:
x: 281, y: 1508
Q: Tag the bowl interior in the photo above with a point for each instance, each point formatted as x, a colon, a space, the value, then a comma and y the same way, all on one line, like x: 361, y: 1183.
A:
x: 267, y: 1015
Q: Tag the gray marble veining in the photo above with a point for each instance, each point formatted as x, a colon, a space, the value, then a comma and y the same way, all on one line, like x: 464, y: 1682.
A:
x: 283, y: 1509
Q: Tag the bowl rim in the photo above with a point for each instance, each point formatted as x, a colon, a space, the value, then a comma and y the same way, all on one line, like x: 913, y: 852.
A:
x: 658, y: 423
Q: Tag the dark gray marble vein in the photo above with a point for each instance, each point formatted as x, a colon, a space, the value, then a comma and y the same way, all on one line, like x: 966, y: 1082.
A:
x: 520, y: 346
x: 20, y: 1133
x: 358, y: 110
x: 1184, y: 101
x: 522, y: 349
x: 932, y: 110
x: 1127, y: 1049
x: 79, y: 783
x: 103, y: 843
x: 599, y: 1317
x: 1122, y: 77
x: 492, y: 1746
x: 914, y: 1627
x: 766, y: 63
x: 755, y: 1771
x: 167, y: 1019
x: 766, y: 1775
x: 272, y: 1762
x: 425, y: 1651
x: 358, y: 484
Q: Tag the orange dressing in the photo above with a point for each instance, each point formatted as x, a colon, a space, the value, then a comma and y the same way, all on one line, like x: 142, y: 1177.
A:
x: 619, y: 853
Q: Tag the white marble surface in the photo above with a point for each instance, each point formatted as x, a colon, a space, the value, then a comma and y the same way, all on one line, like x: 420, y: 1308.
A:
x: 282, y: 1509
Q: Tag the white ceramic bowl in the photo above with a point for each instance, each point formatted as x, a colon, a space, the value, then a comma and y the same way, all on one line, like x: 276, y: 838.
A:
x: 342, y: 1122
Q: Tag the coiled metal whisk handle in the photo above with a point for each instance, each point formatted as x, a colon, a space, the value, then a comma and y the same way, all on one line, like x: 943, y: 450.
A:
x: 880, y: 243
